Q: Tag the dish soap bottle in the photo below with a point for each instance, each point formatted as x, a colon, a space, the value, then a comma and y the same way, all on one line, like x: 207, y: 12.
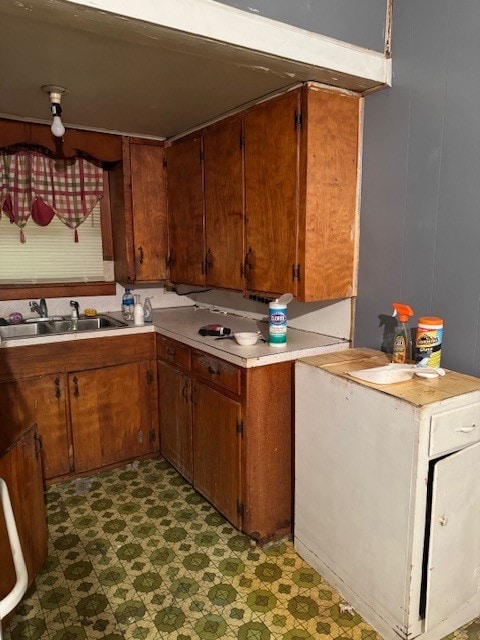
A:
x: 402, y: 341
x: 127, y: 305
x: 147, y: 310
x: 138, y: 320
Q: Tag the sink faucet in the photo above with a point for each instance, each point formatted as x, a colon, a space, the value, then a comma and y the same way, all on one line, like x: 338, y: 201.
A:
x: 75, y: 314
x: 41, y: 308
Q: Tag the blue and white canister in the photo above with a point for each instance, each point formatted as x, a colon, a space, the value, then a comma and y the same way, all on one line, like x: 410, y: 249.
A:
x: 277, y: 324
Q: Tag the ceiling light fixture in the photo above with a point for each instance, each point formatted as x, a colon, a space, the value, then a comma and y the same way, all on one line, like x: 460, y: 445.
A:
x: 55, y: 92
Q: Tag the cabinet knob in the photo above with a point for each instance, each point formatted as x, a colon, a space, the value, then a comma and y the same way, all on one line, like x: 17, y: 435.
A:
x: 212, y: 371
x: 442, y: 521
x: 171, y: 352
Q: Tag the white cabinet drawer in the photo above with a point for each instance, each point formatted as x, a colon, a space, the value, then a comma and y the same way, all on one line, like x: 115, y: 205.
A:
x: 454, y: 429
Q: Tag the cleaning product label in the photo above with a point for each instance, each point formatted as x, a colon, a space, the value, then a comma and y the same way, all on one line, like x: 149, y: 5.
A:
x: 399, y: 349
x: 428, y: 343
x: 277, y: 324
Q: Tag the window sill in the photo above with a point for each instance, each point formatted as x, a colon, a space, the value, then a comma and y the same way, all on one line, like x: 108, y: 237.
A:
x: 56, y: 290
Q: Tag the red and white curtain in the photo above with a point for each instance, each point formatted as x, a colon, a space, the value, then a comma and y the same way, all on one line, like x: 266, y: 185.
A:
x: 37, y: 186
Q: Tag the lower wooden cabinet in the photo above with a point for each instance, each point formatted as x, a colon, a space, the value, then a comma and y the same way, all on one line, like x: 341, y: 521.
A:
x: 228, y: 430
x: 94, y: 401
x: 40, y: 401
x: 216, y: 475
x: 20, y: 467
x: 175, y: 418
x: 113, y: 414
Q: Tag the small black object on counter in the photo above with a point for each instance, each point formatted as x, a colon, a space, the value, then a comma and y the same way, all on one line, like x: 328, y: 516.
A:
x: 214, y: 330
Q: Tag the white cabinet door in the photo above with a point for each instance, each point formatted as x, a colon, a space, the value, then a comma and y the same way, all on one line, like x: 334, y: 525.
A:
x: 454, y: 552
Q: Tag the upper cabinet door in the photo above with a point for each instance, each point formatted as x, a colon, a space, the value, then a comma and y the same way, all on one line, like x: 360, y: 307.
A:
x: 185, y: 212
x: 271, y: 194
x: 139, y: 217
x: 329, y: 195
x: 224, y: 208
x: 149, y: 212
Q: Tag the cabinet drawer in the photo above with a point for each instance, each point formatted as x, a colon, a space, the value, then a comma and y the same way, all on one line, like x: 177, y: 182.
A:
x: 454, y: 429
x: 173, y: 351
x: 221, y: 373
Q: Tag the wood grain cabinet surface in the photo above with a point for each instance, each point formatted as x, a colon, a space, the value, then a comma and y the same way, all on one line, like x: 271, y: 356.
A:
x: 94, y: 401
x: 175, y: 418
x: 40, y: 401
x: 270, y: 196
x: 20, y: 467
x: 139, y: 216
x: 113, y: 414
x: 228, y: 430
x: 185, y: 211
x: 224, y: 204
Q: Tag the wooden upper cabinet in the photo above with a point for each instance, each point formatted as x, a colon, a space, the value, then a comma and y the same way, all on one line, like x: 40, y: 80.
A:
x: 329, y: 186
x: 138, y: 204
x: 185, y: 211
x: 271, y: 194
x: 224, y: 208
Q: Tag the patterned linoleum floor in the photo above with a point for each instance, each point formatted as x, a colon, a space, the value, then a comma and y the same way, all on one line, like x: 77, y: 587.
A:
x: 142, y: 556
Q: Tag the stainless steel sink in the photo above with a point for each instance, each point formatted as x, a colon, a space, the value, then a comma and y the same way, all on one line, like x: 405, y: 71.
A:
x: 85, y: 324
x: 24, y: 330
x: 49, y: 326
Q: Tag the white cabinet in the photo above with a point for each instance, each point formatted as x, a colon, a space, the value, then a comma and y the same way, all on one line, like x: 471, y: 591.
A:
x: 387, y: 493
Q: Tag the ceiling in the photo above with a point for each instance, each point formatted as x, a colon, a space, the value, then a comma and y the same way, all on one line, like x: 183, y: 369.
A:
x: 130, y: 76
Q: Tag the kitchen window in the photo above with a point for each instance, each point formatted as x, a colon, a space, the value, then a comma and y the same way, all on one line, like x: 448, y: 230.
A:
x: 50, y: 254
x: 49, y: 262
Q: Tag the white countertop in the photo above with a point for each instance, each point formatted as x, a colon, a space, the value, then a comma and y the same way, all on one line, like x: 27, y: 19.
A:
x: 183, y: 323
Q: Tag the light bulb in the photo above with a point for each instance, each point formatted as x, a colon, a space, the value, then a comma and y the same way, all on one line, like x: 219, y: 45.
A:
x: 57, y: 127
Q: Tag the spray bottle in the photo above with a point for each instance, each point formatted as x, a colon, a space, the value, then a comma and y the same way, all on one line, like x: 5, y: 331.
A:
x: 402, y: 341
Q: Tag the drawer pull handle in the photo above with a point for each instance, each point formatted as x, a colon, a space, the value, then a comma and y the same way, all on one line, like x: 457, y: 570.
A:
x: 185, y: 391
x: 76, y: 392
x: 466, y: 429
x: 140, y: 256
x: 212, y: 371
x: 58, y: 391
x: 171, y: 352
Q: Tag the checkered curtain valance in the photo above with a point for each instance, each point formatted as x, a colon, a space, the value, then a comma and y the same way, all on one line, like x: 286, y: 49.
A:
x: 37, y: 186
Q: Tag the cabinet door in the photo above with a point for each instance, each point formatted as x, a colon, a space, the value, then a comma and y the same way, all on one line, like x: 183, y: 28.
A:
x: 185, y: 212
x: 454, y: 552
x: 149, y: 212
x: 271, y: 194
x: 216, y: 451
x: 329, y: 198
x: 175, y: 419
x: 224, y: 211
x: 114, y: 414
x: 41, y: 401
x: 21, y: 469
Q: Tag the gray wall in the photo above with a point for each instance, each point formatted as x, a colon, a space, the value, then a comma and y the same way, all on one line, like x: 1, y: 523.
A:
x: 420, y: 218
x: 420, y: 225
x: 361, y: 22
